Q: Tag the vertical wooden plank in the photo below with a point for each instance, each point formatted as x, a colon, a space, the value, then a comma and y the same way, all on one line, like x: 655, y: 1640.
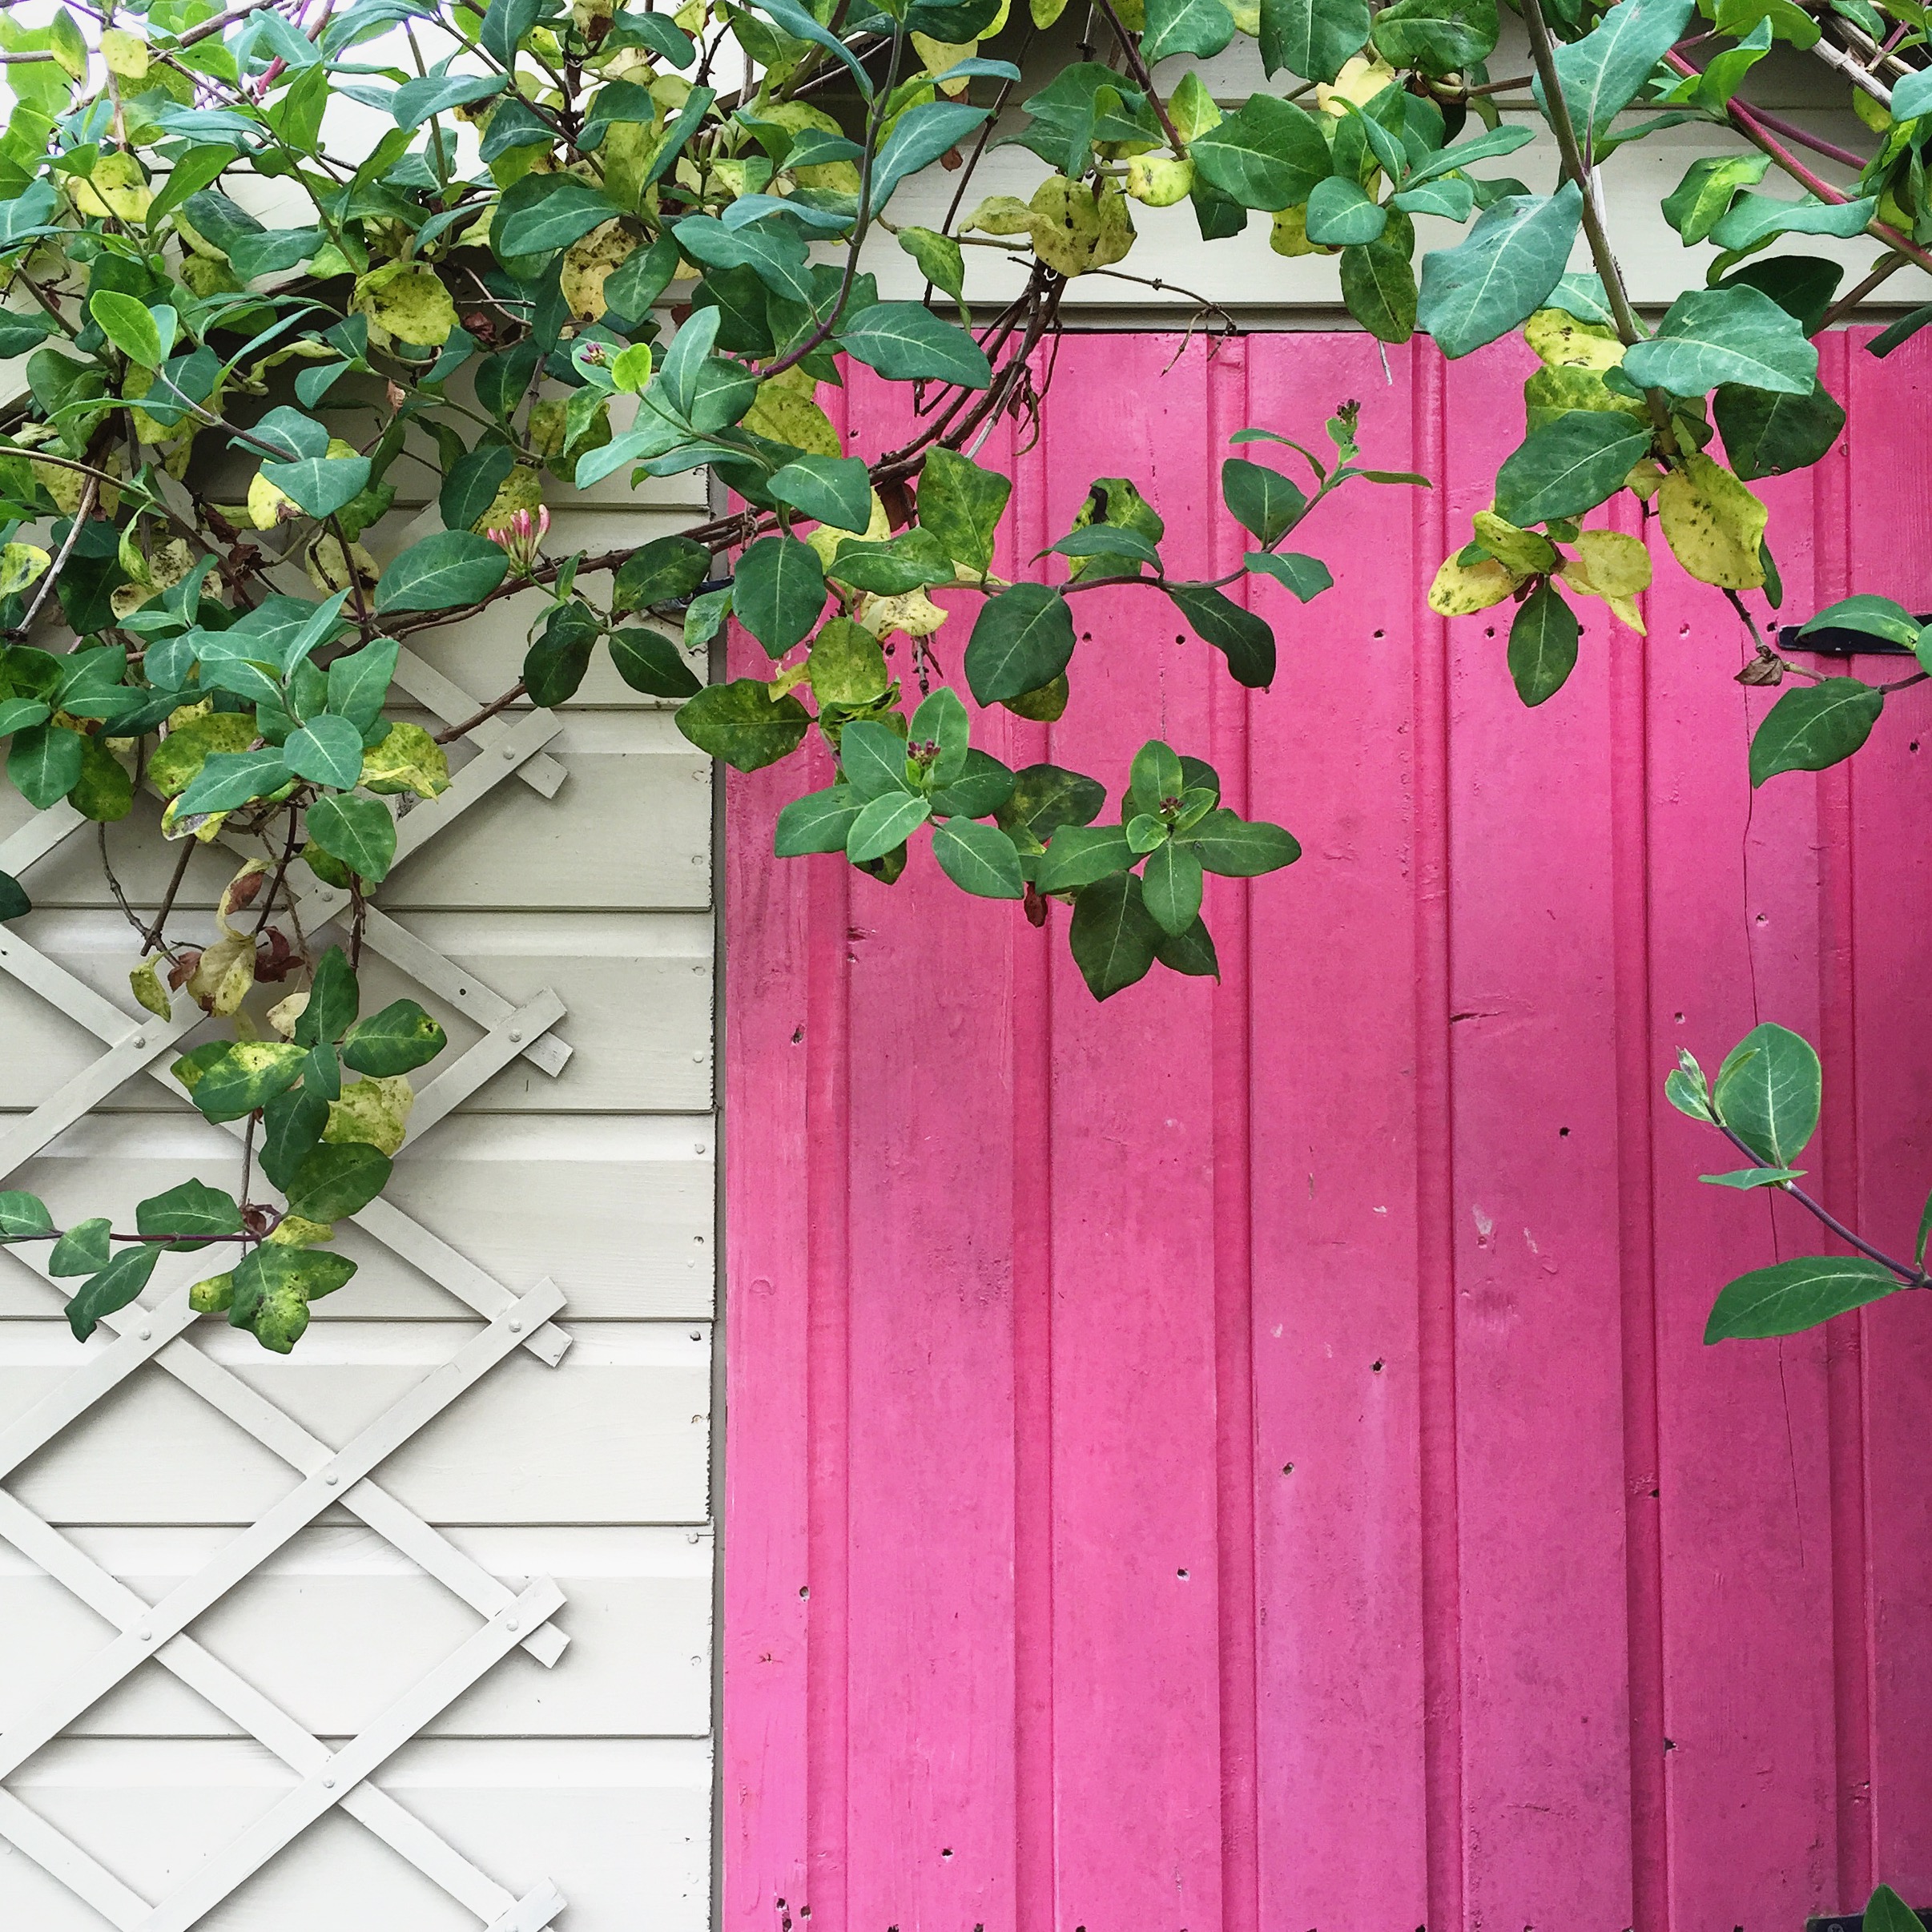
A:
x: 1532, y: 1029
x: 1137, y: 1727
x: 766, y: 1732
x: 1335, y: 1199
x: 1890, y: 407
x: 1745, y: 1515
x: 931, y: 1829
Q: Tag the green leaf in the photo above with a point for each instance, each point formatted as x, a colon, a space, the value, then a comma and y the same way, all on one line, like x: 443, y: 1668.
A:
x: 1683, y: 1087
x: 884, y: 823
x: 834, y: 490
x: 504, y: 24
x: 359, y: 683
x: 415, y: 101
x: 113, y: 1288
x: 1570, y: 466
x: 940, y: 259
x: 1080, y: 854
x: 1601, y: 73
x: 961, y: 505
x: 246, y: 1075
x: 1796, y: 1295
x: 1918, y: 1246
x: 872, y: 757
x: 779, y: 591
x: 1744, y: 1177
x: 22, y: 1216
x: 1045, y: 798
x: 82, y: 1249
x: 273, y: 1285
x: 229, y: 779
x: 14, y: 901
x: 360, y: 831
x: 451, y: 568
x: 650, y: 662
x: 1452, y: 197
x: 1724, y: 335
x: 1199, y: 27
x: 906, y: 343
x: 1378, y: 286
x: 197, y: 1213
x: 335, y: 997
x: 1876, y: 617
x: 1497, y: 278
x: 1814, y: 726
x: 1021, y: 639
x: 1171, y: 888
x: 336, y: 1181
x: 1768, y: 1093
x: 1269, y: 155
x: 1754, y: 220
x: 1246, y: 641
x: 1307, y: 576
x: 1885, y: 1911
x: 941, y: 720
x: 801, y: 25
x: 665, y: 571
x: 1542, y: 645
x: 321, y: 485
x: 1191, y: 952
x: 1113, y: 936
x: 472, y: 484
x: 1766, y: 434
x: 1498, y: 141
x: 327, y: 751
x: 399, y: 1039
x: 1262, y: 500
x: 542, y: 213
x: 22, y: 714
x: 45, y: 763
x: 1437, y: 36
x: 818, y: 823
x: 132, y: 326
x: 919, y: 137
x: 978, y: 859
x: 291, y: 1123
x: 1242, y: 848
x: 1311, y: 39
x: 554, y: 665
x: 744, y: 723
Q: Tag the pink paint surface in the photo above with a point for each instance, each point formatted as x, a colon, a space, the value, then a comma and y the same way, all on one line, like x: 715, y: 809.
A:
x: 1243, y: 1458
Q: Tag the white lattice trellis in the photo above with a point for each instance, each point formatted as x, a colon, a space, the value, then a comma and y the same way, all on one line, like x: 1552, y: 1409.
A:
x: 156, y: 1333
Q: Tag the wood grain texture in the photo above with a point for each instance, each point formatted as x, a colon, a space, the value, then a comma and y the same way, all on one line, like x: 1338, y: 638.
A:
x: 1250, y: 1450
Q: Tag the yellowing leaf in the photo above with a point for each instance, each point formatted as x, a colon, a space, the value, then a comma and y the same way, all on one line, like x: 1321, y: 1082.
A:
x: 327, y: 571
x: 124, y: 54
x: 846, y: 666
x: 1522, y: 553
x: 1288, y: 232
x: 1612, y: 566
x: 1158, y: 179
x: 116, y: 189
x: 408, y: 759
x: 408, y: 302
x: 1645, y: 478
x: 145, y: 983
x: 297, y: 1231
x: 284, y: 1014
x: 1001, y: 215
x: 1713, y: 524
x: 780, y: 412
x: 1460, y: 590
x: 223, y: 974
x: 1074, y: 230
x: 826, y: 540
x: 911, y: 611
x: 589, y: 262
x: 20, y: 564
x: 1563, y: 342
x: 268, y: 506
x: 373, y: 1112
x: 1046, y: 12
x: 1360, y: 81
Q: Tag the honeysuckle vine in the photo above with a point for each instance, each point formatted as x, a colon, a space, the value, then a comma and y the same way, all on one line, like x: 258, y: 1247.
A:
x: 264, y: 266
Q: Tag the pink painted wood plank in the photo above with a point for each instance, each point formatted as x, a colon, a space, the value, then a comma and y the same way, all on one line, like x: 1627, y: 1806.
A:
x: 1746, y: 1510
x: 1546, y: 1792
x: 1335, y: 1226
x: 931, y: 1806
x: 1136, y: 1571
x: 1559, y: 1619
x: 1891, y: 403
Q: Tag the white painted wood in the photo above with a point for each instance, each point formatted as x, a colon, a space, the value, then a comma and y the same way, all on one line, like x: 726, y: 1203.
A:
x: 573, y: 908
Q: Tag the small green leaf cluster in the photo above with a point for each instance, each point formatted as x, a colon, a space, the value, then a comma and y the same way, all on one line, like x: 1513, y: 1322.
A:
x: 1765, y: 1100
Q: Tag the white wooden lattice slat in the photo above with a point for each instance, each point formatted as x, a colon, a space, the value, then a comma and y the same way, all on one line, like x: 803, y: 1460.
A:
x: 158, y: 1333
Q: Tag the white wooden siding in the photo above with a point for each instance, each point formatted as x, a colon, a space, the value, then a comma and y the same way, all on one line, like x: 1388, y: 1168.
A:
x: 594, y: 1774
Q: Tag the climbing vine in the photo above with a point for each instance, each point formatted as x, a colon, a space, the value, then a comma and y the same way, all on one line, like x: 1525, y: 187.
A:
x: 247, y: 319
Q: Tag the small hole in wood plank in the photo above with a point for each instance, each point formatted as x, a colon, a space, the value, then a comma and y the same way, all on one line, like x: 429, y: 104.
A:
x: 1562, y: 1133
x: 1375, y: 1366
x: 1182, y: 1575
x: 804, y: 1589
x: 1287, y: 1469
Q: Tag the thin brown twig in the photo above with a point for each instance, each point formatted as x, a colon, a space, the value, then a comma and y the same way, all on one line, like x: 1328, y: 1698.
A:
x: 518, y: 689
x: 151, y: 940
x: 88, y: 491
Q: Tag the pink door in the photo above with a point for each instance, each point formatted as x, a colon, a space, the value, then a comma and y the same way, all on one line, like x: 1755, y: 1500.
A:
x: 1242, y: 1458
